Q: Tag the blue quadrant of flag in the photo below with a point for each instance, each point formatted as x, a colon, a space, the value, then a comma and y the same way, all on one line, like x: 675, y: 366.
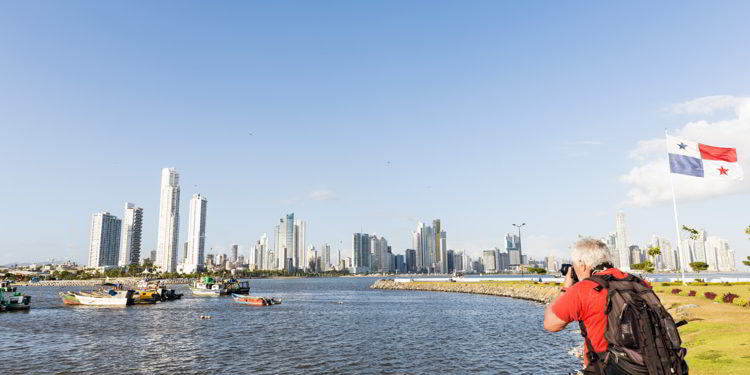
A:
x: 686, y: 165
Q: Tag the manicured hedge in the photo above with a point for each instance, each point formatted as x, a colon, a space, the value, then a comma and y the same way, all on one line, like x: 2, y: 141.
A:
x: 710, y: 295
x: 676, y: 291
x: 692, y: 293
x: 740, y: 302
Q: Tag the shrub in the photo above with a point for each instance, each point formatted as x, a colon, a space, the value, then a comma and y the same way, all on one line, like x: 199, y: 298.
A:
x: 710, y: 295
x: 692, y: 293
x: 699, y: 281
x: 676, y: 291
x: 726, y: 283
x: 666, y: 284
x: 729, y: 297
x: 740, y: 302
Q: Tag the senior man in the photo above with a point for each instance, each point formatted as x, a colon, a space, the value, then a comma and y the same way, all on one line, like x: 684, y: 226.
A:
x: 612, y: 304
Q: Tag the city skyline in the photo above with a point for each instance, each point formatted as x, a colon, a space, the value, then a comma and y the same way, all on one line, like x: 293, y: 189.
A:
x: 482, y: 124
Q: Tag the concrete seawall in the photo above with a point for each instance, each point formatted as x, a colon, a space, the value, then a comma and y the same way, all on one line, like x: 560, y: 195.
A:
x: 533, y: 292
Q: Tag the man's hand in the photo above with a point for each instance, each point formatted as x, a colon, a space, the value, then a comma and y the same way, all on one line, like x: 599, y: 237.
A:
x: 568, y: 278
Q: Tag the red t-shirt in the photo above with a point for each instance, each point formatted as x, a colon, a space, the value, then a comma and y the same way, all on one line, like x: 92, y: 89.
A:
x: 582, y: 302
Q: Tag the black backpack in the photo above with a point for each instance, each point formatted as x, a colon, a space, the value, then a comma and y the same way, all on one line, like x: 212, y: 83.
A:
x: 642, y: 336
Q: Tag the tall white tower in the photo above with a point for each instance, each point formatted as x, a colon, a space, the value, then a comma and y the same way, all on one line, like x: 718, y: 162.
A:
x: 196, y: 232
x: 104, y: 241
x: 623, y: 249
x: 130, y: 242
x: 169, y: 220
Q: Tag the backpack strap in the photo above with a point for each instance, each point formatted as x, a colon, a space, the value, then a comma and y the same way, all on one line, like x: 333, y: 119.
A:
x: 592, y: 356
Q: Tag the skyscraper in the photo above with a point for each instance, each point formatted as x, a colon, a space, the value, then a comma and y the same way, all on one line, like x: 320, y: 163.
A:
x: 325, y: 256
x: 513, y: 246
x: 233, y: 252
x: 104, y: 240
x: 379, y: 248
x: 169, y: 220
x: 260, y: 253
x: 490, y: 260
x: 361, y: 253
x: 196, y: 233
x: 410, y: 256
x: 130, y: 242
x: 290, y: 244
x: 623, y: 249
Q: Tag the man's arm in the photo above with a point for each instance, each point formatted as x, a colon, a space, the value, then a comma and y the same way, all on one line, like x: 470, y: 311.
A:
x: 552, y: 322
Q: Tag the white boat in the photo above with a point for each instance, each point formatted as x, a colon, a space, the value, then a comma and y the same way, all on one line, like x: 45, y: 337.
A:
x: 208, y: 287
x: 111, y: 298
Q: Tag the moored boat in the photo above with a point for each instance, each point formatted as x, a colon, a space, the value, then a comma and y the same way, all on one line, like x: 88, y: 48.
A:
x: 208, y: 287
x: 11, y: 300
x: 110, y: 298
x: 237, y: 286
x: 255, y: 301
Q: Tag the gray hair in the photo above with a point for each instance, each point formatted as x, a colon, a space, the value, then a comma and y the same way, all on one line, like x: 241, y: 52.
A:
x: 590, y: 252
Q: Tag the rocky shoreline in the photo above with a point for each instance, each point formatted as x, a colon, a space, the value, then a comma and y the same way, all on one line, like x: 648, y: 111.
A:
x: 93, y: 282
x: 529, y: 291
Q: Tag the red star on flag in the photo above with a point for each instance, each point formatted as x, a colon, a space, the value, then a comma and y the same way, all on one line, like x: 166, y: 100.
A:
x: 723, y: 171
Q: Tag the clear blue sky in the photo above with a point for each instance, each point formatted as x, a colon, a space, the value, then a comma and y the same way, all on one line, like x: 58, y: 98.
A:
x: 482, y: 114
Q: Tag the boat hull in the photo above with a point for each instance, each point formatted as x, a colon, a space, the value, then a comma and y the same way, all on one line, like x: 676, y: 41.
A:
x: 255, y: 301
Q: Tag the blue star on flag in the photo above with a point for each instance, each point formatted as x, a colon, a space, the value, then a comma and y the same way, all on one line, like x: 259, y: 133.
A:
x: 682, y: 146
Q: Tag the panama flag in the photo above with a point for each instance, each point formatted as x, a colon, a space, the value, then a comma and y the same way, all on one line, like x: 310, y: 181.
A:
x: 699, y: 160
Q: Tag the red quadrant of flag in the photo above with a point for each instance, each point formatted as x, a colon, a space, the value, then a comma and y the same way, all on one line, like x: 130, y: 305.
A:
x: 718, y: 153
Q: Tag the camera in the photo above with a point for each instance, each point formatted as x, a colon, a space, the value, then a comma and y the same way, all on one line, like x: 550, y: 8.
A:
x: 564, y: 270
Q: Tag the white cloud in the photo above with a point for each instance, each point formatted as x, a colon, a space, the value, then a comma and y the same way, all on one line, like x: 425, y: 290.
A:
x: 321, y: 195
x: 707, y: 105
x: 649, y: 179
x: 587, y: 143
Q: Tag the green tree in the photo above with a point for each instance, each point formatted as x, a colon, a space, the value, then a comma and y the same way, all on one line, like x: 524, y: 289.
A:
x: 746, y: 262
x: 699, y: 266
x: 646, y: 266
x: 537, y: 270
x: 693, y: 233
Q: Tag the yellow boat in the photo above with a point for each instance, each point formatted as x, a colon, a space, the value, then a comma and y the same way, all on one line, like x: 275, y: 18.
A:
x: 141, y: 297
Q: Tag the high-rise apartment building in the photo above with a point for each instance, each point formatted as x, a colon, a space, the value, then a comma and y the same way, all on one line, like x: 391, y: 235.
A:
x: 104, y: 240
x: 196, y: 234
x: 130, y: 242
x: 430, y: 243
x: 410, y: 256
x: 234, y: 252
x: 381, y: 256
x: 489, y: 258
x: 325, y: 257
x: 623, y: 249
x: 169, y: 220
x: 361, y: 253
x: 290, y: 244
x: 259, y: 253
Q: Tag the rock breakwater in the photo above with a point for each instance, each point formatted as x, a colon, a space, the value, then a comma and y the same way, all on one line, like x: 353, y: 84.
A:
x: 91, y: 282
x: 542, y: 293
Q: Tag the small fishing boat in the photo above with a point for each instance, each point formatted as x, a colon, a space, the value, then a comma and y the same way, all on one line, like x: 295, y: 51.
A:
x: 161, y: 292
x: 99, y: 298
x: 255, y: 301
x: 11, y: 300
x: 237, y: 287
x: 208, y: 287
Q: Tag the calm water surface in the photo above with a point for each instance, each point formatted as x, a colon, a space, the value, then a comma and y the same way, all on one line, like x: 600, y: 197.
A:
x: 324, y: 326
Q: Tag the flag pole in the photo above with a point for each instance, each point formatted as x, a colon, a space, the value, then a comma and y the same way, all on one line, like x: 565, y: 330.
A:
x: 676, y: 221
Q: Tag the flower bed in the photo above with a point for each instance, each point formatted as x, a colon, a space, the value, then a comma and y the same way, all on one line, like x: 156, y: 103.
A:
x: 676, y: 291
x: 729, y: 297
x: 740, y: 302
x: 710, y: 295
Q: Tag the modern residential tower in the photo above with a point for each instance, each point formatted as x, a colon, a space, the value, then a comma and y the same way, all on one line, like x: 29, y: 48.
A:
x: 130, y: 242
x: 104, y: 240
x: 196, y: 234
x: 169, y: 220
